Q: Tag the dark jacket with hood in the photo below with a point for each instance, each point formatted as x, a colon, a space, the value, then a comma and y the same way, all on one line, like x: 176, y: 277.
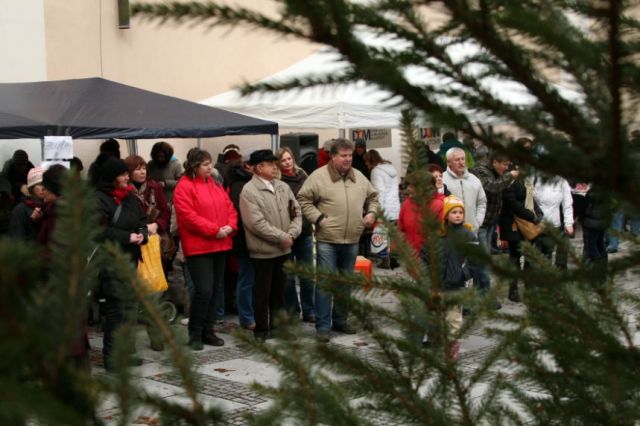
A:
x: 358, y: 161
x: 295, y: 183
x: 454, y: 266
x: 20, y: 225
x: 595, y: 215
x: 513, y: 199
x: 131, y: 219
x: 238, y: 177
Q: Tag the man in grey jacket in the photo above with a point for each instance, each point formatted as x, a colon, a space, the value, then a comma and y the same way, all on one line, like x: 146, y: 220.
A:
x: 341, y: 202
x: 272, y: 220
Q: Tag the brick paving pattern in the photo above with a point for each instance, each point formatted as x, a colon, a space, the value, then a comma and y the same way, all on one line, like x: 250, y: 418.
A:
x: 234, y: 393
x: 220, y: 388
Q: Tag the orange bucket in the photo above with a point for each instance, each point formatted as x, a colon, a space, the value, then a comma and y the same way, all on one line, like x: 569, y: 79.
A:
x: 365, y: 267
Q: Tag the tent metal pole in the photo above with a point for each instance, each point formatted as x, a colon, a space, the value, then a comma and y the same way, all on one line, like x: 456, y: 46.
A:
x: 132, y: 146
x: 275, y: 143
x: 199, y: 142
x: 342, y: 133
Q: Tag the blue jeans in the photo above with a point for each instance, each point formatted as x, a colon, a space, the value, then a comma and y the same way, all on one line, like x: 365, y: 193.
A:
x: 244, y: 291
x: 481, y: 277
x: 335, y: 258
x: 302, y: 253
x: 617, y: 224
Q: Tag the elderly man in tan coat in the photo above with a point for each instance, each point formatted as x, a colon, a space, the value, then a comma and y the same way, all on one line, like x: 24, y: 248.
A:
x: 272, y: 220
x: 341, y: 202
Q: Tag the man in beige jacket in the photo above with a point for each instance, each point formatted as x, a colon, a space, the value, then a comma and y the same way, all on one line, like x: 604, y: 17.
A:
x: 341, y: 202
x: 272, y: 220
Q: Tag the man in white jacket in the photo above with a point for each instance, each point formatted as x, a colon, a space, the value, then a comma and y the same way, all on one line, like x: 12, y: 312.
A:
x: 465, y: 186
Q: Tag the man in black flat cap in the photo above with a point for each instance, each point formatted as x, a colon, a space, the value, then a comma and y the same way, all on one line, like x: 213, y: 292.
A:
x: 272, y: 220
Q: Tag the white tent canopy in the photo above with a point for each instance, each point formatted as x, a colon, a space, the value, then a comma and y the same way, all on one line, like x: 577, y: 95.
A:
x: 331, y: 107
x: 359, y: 104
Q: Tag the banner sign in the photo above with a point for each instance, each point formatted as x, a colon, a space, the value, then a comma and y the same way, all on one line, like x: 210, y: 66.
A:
x: 374, y: 138
x: 432, y: 136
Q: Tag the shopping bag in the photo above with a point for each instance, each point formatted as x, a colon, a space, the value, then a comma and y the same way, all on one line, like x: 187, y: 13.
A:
x: 529, y: 230
x: 380, y: 241
x: 150, y: 266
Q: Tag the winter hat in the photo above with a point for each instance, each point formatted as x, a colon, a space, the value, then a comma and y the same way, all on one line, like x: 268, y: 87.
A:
x: 53, y: 178
x: 231, y: 154
x: 450, y: 203
x: 110, y: 170
x: 34, y: 176
x: 261, y: 155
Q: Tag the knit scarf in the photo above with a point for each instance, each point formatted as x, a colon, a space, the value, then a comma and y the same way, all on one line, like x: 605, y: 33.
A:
x: 118, y: 194
x: 528, y: 201
x: 291, y: 172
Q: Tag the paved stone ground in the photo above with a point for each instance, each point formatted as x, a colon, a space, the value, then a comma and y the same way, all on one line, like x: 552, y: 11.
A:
x: 225, y: 374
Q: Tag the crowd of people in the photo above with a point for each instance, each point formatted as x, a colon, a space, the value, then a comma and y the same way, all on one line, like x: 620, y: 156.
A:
x: 234, y: 223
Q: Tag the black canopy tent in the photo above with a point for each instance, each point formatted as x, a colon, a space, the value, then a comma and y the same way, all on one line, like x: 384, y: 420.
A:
x: 95, y: 108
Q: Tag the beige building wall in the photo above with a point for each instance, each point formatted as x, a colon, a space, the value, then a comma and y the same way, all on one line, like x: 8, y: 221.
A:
x: 22, y: 45
x: 188, y: 61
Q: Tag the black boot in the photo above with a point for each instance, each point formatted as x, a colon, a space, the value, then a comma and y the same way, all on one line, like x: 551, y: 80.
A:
x: 210, y: 338
x: 514, y: 295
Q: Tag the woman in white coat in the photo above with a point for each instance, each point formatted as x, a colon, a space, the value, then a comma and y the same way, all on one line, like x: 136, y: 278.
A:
x: 386, y: 180
x: 553, y: 196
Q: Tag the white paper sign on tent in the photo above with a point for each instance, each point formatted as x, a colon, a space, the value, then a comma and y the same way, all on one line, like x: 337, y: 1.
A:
x: 58, y: 148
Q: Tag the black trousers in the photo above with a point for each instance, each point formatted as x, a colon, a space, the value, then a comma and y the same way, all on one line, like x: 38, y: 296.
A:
x: 207, y: 273
x: 268, y: 291
x: 114, y: 316
x: 118, y: 308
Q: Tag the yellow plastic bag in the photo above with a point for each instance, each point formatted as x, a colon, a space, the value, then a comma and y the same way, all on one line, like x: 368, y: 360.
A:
x: 150, y: 269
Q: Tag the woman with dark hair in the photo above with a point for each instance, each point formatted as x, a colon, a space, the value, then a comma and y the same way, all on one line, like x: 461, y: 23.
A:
x: 164, y: 169
x: 518, y: 201
x: 436, y: 171
x: 302, y: 249
x: 158, y: 217
x: 108, y: 149
x: 206, y: 220
x: 15, y: 170
x: 52, y: 181
x: 124, y: 223
x: 150, y: 196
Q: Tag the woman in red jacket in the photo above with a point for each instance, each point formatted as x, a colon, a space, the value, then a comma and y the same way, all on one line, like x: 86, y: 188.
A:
x: 411, y: 211
x: 206, y: 220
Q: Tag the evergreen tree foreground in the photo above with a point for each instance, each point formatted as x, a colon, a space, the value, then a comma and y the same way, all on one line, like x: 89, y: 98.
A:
x: 570, y: 359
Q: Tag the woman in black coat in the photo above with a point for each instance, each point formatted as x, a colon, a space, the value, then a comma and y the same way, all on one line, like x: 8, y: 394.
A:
x: 124, y: 223
x: 514, y: 204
